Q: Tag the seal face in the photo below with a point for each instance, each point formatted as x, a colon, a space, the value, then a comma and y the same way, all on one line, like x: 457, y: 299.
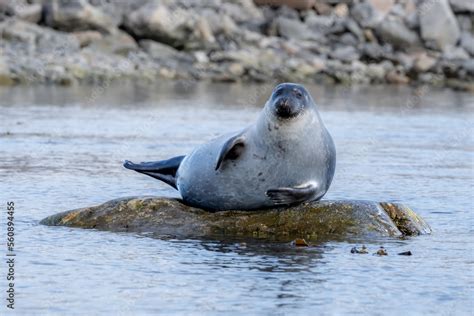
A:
x: 286, y: 157
x: 289, y: 100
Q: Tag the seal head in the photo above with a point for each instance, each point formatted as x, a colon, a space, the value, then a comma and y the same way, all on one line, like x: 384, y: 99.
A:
x: 289, y: 100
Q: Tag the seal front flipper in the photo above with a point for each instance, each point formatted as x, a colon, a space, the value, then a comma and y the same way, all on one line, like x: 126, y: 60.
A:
x: 164, y: 170
x: 231, y: 149
x: 286, y: 195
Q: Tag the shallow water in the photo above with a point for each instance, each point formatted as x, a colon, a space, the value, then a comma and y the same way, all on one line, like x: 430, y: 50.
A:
x: 61, y: 148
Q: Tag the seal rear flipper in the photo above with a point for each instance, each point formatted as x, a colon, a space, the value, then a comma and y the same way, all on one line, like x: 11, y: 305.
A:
x: 164, y: 170
x: 231, y: 149
x: 286, y: 196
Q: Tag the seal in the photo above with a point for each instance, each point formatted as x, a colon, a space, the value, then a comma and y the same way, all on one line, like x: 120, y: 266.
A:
x: 286, y: 157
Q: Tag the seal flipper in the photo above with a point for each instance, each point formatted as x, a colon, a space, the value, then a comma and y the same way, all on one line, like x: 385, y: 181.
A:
x: 164, y: 170
x: 231, y: 149
x: 286, y: 196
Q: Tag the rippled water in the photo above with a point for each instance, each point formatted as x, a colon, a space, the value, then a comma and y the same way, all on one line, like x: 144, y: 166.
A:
x: 61, y: 148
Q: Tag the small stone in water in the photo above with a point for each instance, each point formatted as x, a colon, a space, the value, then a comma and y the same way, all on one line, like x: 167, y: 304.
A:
x: 362, y: 250
x: 405, y: 253
x: 381, y: 252
x: 300, y: 242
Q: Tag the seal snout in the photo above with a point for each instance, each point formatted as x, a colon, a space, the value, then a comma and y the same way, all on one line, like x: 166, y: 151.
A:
x: 285, y: 109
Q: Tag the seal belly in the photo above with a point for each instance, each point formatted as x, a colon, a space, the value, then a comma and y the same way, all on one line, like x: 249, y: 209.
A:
x: 243, y: 183
x: 238, y: 184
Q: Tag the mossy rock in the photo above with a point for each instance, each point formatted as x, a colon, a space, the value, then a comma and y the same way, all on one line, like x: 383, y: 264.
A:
x: 323, y: 220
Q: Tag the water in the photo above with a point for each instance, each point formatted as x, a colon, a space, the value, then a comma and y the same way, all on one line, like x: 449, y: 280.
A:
x: 61, y: 148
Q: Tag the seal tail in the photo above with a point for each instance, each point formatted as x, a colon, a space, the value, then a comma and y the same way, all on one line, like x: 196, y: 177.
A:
x: 164, y: 170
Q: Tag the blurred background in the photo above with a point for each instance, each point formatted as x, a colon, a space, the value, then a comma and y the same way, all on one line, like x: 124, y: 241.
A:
x: 320, y: 41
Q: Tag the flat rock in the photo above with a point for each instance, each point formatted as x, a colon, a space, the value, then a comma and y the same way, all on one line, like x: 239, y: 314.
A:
x: 323, y: 220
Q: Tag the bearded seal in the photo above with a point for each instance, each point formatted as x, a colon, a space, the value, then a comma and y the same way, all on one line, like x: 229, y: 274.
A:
x: 287, y: 157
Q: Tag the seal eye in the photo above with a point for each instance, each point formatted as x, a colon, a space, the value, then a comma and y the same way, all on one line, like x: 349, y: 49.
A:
x: 278, y: 92
x: 298, y: 94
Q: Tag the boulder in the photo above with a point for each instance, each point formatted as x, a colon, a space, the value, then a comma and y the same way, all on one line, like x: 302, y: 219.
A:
x: 371, y: 12
x: 323, y: 220
x: 467, y: 42
x: 345, y: 53
x: 439, y: 28
x: 423, y: 62
x: 30, y: 13
x: 293, y: 29
x: 462, y: 5
x: 117, y: 42
x: 77, y: 15
x: 392, y: 30
x: 174, y: 26
x: 163, y: 52
x: 31, y: 39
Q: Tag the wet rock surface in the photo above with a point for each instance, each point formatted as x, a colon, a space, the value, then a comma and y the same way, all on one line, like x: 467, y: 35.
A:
x: 323, y: 220
x: 349, y: 42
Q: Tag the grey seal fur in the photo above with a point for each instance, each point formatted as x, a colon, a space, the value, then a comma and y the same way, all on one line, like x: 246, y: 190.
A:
x: 287, y: 157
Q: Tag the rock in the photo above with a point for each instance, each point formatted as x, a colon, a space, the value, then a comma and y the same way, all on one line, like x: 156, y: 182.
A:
x: 377, y: 52
x: 467, y: 42
x: 465, y: 22
x: 439, y: 28
x: 397, y: 77
x: 324, y: 220
x: 381, y: 7
x: 295, y: 4
x: 241, y: 11
x: 176, y: 27
x: 323, y: 8
x: 405, y: 253
x: 462, y: 5
x: 31, y: 39
x: 423, y: 62
x: 319, y: 23
x: 87, y: 37
x: 371, y: 12
x: 345, y: 53
x: 348, y: 39
x: 392, y: 30
x: 341, y: 10
x: 116, y: 10
x: 354, y: 28
x: 77, y: 15
x: 164, y: 52
x: 376, y: 72
x: 293, y: 29
x: 30, y: 13
x: 461, y: 85
x: 455, y: 53
x: 201, y: 57
x: 117, y: 42
x: 469, y: 66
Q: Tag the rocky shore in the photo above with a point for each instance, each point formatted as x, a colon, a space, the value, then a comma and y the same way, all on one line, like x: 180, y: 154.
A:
x: 321, y: 41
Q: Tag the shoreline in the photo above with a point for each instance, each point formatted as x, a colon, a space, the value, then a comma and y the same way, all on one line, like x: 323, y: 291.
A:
x: 349, y: 43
